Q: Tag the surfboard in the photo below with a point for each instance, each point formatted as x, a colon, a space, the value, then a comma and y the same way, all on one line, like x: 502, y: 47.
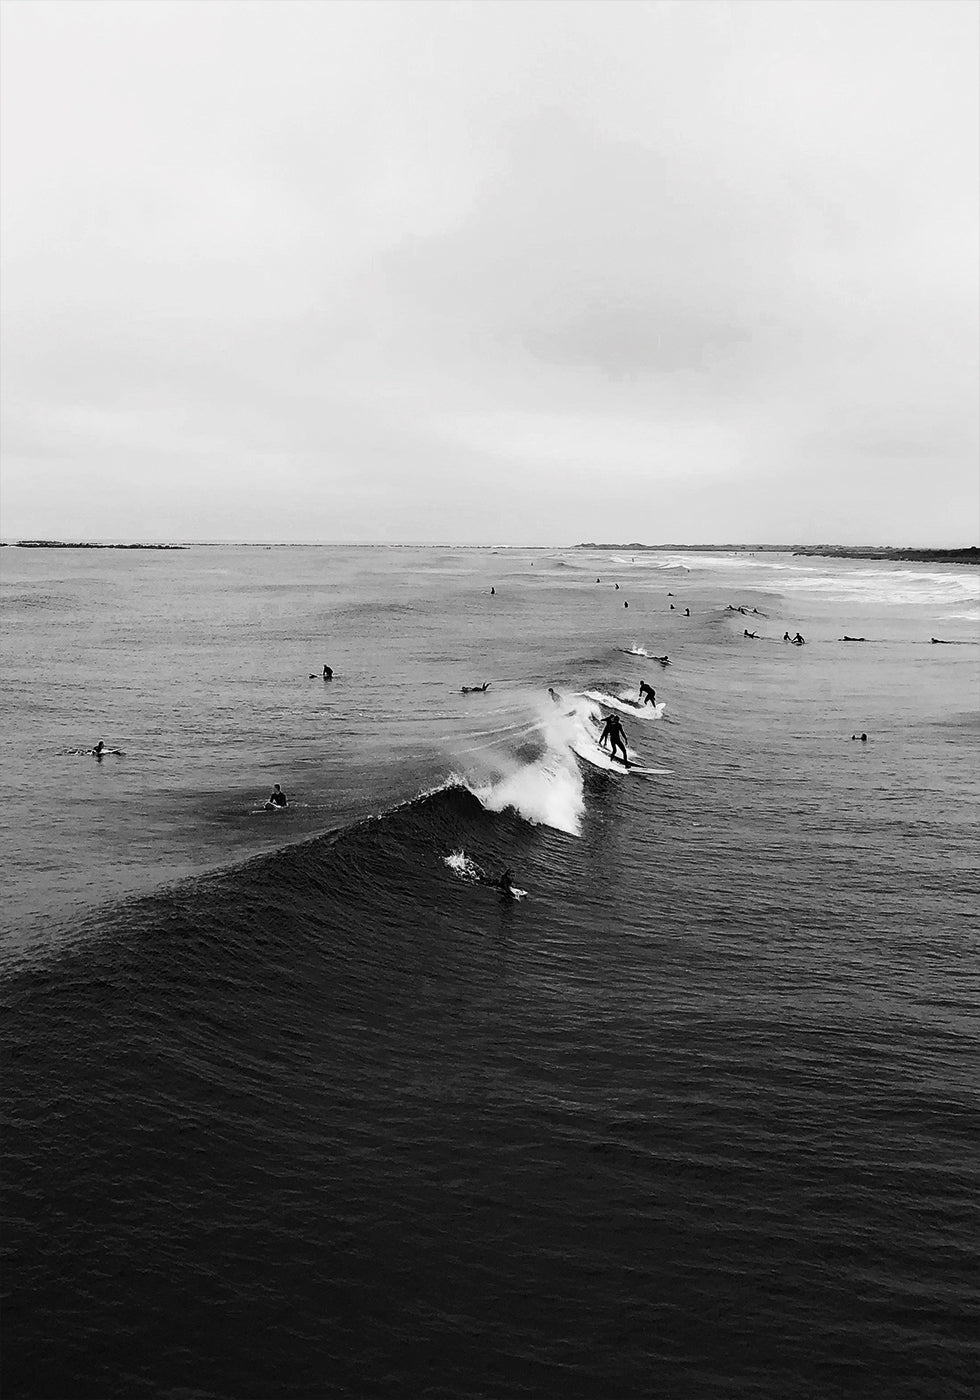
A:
x: 598, y: 758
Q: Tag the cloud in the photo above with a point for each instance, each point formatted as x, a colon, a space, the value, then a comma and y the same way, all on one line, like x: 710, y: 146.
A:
x: 359, y: 270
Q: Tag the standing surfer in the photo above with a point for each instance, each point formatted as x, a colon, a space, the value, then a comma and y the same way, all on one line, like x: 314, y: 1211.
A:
x: 613, y: 731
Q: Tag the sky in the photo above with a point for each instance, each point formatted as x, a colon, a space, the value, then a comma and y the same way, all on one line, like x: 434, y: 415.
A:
x: 496, y: 272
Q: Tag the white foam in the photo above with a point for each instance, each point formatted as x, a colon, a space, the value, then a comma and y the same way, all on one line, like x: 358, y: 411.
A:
x: 463, y: 865
x: 628, y: 705
x: 547, y: 791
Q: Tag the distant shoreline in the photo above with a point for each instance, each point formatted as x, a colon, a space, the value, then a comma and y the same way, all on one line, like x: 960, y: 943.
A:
x: 67, y: 544
x: 970, y: 555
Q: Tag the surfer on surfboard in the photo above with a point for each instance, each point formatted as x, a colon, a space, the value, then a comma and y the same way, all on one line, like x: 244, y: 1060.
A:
x: 615, y: 733
x: 277, y: 798
x: 647, y: 694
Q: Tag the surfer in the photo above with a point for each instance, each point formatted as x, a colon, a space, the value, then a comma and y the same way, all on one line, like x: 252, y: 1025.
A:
x: 647, y: 694
x: 664, y: 660
x: 99, y: 749
x: 626, y: 605
x: 787, y: 637
x: 613, y: 731
x: 846, y: 638
x: 747, y: 633
x: 617, y: 587
x: 277, y: 798
x: 474, y: 689
x: 864, y: 738
x: 554, y: 694
x: 327, y: 674
x: 687, y: 612
x: 799, y: 641
x: 506, y: 885
x: 492, y: 592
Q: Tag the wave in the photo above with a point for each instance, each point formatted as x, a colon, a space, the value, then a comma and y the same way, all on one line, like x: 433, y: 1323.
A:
x: 548, y: 789
x: 627, y: 705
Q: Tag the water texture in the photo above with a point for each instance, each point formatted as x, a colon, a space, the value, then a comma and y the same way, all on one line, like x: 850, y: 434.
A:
x: 297, y: 1106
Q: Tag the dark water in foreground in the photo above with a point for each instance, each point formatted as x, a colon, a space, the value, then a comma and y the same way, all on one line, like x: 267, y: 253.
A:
x: 699, y: 1117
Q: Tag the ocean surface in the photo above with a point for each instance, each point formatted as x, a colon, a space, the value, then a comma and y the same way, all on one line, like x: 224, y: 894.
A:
x: 297, y: 1103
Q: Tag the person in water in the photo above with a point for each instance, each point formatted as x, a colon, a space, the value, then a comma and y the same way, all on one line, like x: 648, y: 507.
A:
x: 687, y: 612
x: 647, y: 694
x: 799, y: 641
x: 554, y: 694
x: 506, y: 885
x: 277, y: 798
x: 787, y: 637
x: 474, y: 689
x: 747, y: 633
x: 100, y: 748
x: 493, y: 592
x: 613, y: 731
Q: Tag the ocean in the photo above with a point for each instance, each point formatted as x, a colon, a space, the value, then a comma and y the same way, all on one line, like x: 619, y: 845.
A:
x: 298, y: 1103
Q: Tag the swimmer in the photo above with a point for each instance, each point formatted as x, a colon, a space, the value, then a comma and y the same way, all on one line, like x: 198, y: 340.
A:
x: 277, y: 798
x: 613, y: 731
x: 554, y: 695
x: 647, y: 694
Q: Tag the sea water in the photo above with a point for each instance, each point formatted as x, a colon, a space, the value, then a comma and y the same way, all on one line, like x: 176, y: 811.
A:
x: 296, y: 1106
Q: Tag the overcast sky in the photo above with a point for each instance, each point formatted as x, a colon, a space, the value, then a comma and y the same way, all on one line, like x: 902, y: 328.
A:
x: 529, y: 272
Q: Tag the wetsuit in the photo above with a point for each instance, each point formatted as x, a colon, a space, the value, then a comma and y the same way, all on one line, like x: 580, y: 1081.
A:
x: 613, y: 731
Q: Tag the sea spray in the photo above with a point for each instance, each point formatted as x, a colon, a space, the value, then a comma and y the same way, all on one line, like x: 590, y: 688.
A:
x: 548, y: 789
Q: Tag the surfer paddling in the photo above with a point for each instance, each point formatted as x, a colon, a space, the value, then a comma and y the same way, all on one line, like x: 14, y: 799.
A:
x: 474, y: 689
x: 614, y: 732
